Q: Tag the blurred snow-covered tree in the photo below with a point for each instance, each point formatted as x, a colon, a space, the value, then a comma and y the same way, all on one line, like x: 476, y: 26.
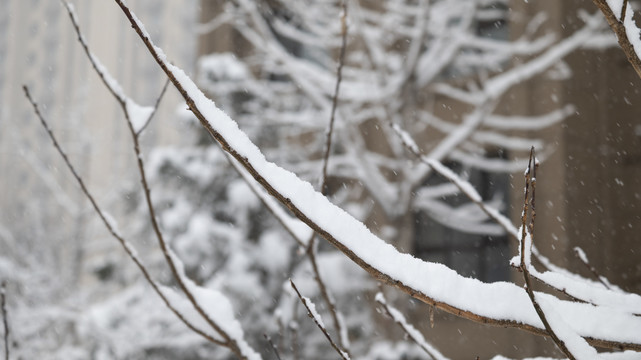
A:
x: 446, y: 73
x: 440, y: 72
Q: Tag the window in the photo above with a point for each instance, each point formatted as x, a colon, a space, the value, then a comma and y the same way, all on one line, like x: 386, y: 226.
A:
x: 453, y: 231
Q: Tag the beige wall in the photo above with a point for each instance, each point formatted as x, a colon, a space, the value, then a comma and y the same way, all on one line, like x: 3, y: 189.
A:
x: 588, y: 188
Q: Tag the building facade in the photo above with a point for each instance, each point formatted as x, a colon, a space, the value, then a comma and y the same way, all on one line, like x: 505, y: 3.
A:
x: 42, y: 207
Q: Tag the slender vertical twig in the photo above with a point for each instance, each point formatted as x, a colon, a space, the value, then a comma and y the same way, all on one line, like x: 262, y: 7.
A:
x: 339, y: 78
x: 407, y: 328
x: 156, y: 105
x: 312, y: 245
x: 318, y: 321
x: 165, y: 247
x: 327, y: 297
x: 5, y: 318
x: 578, y: 252
x: 528, y: 230
x: 271, y: 343
x: 623, y: 10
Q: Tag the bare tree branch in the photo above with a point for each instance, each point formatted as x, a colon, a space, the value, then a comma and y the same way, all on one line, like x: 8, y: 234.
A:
x: 339, y: 78
x: 578, y: 252
x: 408, y: 329
x: 312, y: 245
x: 271, y: 343
x: 311, y: 311
x: 327, y: 297
x: 156, y: 105
x: 527, y: 238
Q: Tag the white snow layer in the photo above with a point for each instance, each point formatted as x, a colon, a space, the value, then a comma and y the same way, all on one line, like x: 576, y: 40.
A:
x: 138, y: 115
x: 216, y: 305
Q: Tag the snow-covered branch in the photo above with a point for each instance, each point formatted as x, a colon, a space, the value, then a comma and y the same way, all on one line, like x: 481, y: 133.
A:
x: 619, y: 15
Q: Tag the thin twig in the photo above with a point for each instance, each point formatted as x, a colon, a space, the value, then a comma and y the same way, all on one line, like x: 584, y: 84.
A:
x: 5, y: 318
x: 578, y: 252
x: 535, y: 165
x: 339, y: 78
x: 623, y: 10
x: 312, y: 314
x: 156, y: 105
x: 100, y: 69
x: 327, y: 297
x: 312, y: 245
x: 269, y: 340
x: 408, y: 329
x: 530, y: 181
x: 126, y: 246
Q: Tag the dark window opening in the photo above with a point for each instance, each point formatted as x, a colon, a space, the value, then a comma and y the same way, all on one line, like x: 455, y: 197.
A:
x: 442, y: 237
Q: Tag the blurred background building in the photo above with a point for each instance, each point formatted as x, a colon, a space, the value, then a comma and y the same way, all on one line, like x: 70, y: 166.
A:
x: 39, y: 48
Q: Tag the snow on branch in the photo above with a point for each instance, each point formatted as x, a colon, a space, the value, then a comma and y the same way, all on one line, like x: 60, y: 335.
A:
x: 620, y: 19
x: 497, y: 303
